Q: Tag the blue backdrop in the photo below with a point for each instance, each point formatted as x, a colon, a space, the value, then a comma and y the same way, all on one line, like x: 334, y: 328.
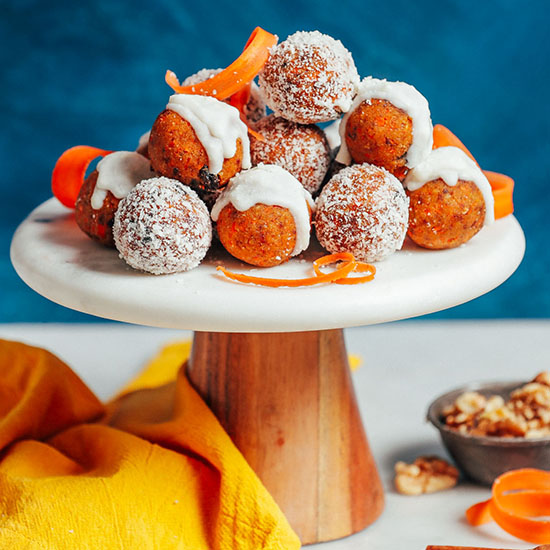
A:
x: 92, y: 73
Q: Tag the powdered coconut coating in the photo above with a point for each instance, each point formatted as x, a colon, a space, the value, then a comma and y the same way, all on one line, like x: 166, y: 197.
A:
x: 254, y: 109
x: 310, y: 77
x: 162, y: 227
x: 363, y: 209
x: 300, y: 149
x: 445, y: 216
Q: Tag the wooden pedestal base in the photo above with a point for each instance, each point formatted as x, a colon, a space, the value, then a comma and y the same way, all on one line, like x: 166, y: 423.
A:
x: 287, y: 401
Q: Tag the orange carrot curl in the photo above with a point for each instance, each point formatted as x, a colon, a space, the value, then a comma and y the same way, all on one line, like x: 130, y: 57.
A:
x: 234, y: 82
x: 518, y: 498
x: 501, y: 185
x: 347, y: 265
x: 237, y: 75
x: 70, y: 170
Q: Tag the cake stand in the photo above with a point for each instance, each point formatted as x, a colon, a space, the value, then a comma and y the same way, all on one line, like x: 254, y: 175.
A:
x: 271, y: 362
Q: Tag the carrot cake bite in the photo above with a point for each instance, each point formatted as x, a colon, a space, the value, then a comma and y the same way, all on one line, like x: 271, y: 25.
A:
x: 263, y: 216
x: 388, y: 125
x: 450, y: 199
x: 199, y: 141
x: 310, y: 77
x: 301, y: 149
x: 162, y: 227
x: 114, y: 177
x: 363, y: 209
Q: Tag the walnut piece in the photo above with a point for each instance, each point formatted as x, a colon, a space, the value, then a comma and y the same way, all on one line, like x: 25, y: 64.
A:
x: 427, y: 474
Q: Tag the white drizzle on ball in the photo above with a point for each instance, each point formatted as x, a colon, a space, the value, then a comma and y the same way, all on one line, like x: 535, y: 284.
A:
x: 404, y: 97
x: 273, y: 186
x: 119, y: 173
x: 217, y: 125
x: 451, y: 164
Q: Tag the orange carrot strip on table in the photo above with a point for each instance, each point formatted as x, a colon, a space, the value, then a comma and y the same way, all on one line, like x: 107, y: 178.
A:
x: 479, y: 513
x: 235, y: 76
x: 518, y: 498
x: 503, y: 193
x: 70, y: 170
x: 502, y: 186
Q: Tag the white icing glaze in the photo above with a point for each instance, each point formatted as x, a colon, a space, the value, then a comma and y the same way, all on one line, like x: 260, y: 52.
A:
x: 273, y: 186
x: 452, y: 164
x: 405, y: 97
x: 217, y: 126
x: 119, y: 173
x: 332, y: 131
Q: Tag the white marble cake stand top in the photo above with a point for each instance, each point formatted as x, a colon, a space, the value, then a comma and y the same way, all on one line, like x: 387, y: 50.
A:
x: 52, y: 255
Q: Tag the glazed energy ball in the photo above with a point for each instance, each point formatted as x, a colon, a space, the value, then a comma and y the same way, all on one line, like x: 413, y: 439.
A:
x: 300, y: 149
x: 450, y: 199
x: 388, y: 125
x: 162, y: 227
x: 115, y: 176
x: 363, y: 209
x: 199, y: 141
x: 308, y: 78
x: 263, y: 216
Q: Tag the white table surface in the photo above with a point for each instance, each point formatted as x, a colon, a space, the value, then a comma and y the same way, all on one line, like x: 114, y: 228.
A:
x: 405, y: 365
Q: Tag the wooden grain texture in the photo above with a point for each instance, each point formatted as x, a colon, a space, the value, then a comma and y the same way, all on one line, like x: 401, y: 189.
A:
x: 287, y: 401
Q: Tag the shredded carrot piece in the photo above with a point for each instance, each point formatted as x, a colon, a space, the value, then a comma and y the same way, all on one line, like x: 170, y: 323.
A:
x: 342, y: 271
x: 518, y: 497
x: 235, y: 76
x: 70, y: 170
x: 348, y: 265
x: 360, y: 267
x: 501, y: 185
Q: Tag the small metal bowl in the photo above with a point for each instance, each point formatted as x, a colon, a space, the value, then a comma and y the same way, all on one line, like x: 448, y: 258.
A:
x: 484, y: 458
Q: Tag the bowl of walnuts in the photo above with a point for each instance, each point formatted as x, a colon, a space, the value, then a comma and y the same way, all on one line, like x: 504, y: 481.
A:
x: 490, y: 428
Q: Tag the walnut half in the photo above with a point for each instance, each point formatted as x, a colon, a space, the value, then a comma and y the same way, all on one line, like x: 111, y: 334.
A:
x: 427, y: 474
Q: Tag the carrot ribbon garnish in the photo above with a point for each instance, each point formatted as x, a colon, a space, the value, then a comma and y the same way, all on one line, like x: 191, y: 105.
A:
x: 503, y: 193
x: 360, y: 267
x: 348, y: 265
x: 518, y: 497
x: 237, y: 75
x: 501, y: 185
x: 70, y: 170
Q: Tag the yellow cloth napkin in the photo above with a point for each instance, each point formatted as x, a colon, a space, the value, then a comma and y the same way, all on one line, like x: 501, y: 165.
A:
x: 153, y: 469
